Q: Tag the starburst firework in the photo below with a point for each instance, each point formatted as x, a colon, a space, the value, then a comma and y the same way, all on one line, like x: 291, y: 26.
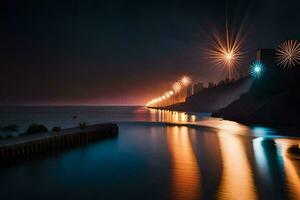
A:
x: 256, y: 69
x: 288, y: 54
x: 226, y: 51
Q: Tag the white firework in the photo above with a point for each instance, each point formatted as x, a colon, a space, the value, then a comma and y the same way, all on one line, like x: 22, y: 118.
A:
x: 288, y: 54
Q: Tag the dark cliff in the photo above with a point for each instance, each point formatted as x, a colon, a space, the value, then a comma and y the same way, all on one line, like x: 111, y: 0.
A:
x: 273, y: 99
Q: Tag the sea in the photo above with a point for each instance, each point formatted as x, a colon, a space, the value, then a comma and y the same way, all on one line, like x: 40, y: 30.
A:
x: 158, y: 154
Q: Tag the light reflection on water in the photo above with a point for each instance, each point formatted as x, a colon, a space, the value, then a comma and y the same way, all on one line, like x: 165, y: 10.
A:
x: 251, y: 161
x: 204, y: 119
x: 228, y: 160
x: 291, y: 166
x: 237, y: 180
x: 170, y: 116
x: 185, y: 169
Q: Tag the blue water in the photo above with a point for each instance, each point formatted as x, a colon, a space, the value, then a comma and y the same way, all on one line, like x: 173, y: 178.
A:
x: 190, y: 157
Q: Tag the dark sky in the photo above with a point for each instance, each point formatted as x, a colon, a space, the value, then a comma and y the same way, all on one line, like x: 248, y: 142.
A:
x: 123, y: 52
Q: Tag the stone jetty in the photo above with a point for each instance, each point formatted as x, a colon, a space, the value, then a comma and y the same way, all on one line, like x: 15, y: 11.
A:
x: 31, y: 146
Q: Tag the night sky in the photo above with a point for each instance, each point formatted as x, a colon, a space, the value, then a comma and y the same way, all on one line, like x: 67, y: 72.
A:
x: 124, y: 52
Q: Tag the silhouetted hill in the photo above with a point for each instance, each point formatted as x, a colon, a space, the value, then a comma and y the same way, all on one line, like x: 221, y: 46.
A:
x: 273, y: 99
x: 212, y: 99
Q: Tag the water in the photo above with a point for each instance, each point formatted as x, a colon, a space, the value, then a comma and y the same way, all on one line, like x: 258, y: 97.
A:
x: 190, y: 157
x: 63, y: 115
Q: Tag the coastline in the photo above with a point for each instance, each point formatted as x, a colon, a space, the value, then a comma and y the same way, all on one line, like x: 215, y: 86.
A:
x: 292, y: 130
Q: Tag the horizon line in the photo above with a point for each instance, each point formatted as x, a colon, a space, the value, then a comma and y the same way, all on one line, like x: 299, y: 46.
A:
x: 72, y: 105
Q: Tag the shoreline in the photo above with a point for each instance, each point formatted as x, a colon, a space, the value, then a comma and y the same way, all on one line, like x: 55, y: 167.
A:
x: 280, y: 128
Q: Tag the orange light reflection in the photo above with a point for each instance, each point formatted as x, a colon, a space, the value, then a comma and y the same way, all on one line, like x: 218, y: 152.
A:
x: 186, y: 173
x: 237, y: 180
x: 291, y: 167
x: 171, y: 116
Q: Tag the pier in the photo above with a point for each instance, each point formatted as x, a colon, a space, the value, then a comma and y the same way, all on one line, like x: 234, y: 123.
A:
x: 30, y: 146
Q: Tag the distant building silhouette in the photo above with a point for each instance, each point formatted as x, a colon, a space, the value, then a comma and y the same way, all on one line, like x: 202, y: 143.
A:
x: 266, y: 56
x: 198, y: 87
x: 211, y: 84
x: 190, y: 90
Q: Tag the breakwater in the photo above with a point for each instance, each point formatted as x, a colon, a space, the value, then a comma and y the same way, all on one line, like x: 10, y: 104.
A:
x: 31, y: 146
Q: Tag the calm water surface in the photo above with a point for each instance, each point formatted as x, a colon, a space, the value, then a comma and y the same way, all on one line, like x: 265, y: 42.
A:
x: 193, y: 157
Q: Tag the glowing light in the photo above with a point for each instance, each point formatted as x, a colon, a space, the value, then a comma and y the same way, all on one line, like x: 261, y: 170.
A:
x: 288, y: 54
x: 185, y: 80
x: 168, y: 94
x: 256, y: 69
x: 228, y: 55
x: 176, y: 86
x: 193, y: 118
x: 262, y: 131
x: 226, y: 51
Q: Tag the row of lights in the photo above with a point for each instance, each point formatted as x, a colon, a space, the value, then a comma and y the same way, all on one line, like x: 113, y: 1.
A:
x: 160, y: 99
x: 177, y: 86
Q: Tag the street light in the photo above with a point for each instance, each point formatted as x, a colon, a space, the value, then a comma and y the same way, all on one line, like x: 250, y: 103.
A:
x: 186, y: 80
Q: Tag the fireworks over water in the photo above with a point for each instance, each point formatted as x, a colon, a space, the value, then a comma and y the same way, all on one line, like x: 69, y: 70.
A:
x: 226, y: 51
x: 288, y: 54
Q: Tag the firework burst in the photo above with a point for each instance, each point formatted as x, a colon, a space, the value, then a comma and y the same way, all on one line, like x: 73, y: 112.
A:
x: 288, y: 54
x: 256, y: 69
x: 226, y: 51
